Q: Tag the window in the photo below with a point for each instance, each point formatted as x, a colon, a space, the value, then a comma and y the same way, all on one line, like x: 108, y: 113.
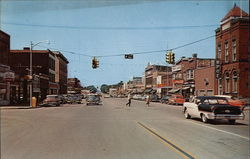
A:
x: 220, y: 87
x: 234, y: 50
x: 219, y: 51
x: 235, y: 82
x: 226, y: 52
x: 227, y: 83
x: 190, y: 74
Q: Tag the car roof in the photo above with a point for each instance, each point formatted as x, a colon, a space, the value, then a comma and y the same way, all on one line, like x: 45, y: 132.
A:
x: 209, y: 97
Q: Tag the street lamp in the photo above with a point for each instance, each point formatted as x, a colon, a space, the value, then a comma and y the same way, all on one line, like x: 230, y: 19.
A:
x: 31, y: 47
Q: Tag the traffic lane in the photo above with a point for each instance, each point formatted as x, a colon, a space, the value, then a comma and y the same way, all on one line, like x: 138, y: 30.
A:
x: 201, y: 141
x: 79, y: 132
x: 175, y: 112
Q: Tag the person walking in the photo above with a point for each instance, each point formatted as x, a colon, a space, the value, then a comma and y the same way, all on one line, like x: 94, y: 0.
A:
x: 129, y: 100
x: 148, y: 100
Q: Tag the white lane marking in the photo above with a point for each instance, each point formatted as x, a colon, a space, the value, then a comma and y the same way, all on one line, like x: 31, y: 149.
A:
x: 244, y: 137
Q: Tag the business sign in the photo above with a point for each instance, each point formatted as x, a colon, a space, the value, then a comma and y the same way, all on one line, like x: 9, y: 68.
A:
x: 217, y: 69
x: 176, y: 68
x: 9, y: 76
x: 178, y: 81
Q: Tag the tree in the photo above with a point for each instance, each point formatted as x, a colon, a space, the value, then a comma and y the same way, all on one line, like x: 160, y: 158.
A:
x: 105, y: 88
x: 92, y: 89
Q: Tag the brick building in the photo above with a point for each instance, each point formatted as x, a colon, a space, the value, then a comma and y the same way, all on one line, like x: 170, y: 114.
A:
x: 232, y: 54
x: 152, y: 79
x: 43, y: 72
x: 6, y: 83
x: 4, y: 48
x: 183, y: 74
x: 61, y: 70
x: 74, y: 86
x: 204, y: 81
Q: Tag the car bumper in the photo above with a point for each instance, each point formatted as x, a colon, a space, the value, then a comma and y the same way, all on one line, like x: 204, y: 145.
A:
x: 226, y: 116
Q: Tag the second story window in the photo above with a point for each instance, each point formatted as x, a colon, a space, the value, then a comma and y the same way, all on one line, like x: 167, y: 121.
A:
x: 219, y: 51
x: 234, y: 50
x: 226, y: 52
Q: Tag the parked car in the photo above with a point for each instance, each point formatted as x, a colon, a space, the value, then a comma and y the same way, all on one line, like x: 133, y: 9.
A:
x: 176, y: 99
x: 62, y: 99
x: 165, y: 99
x: 93, y: 99
x: 154, y: 98
x: 51, y: 100
x: 233, y: 101
x: 212, y: 108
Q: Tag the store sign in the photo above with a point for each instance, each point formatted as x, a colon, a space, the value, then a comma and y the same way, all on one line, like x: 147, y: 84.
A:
x: 178, y: 81
x: 176, y: 68
x: 9, y: 76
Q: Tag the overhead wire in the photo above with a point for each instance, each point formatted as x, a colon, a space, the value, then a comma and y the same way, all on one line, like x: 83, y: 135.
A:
x: 135, y: 53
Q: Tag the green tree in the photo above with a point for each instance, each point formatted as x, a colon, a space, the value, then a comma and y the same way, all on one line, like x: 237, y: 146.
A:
x: 104, y: 88
x: 92, y: 89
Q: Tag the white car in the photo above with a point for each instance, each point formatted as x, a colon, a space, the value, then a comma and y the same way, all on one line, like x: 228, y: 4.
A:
x: 212, y: 108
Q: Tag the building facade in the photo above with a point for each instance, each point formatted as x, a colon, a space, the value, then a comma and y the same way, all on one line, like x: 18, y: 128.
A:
x: 151, y: 74
x: 183, y: 74
x: 232, y: 54
x: 204, y: 81
x: 61, y: 72
x: 7, y: 76
x: 43, y: 74
x: 74, y: 86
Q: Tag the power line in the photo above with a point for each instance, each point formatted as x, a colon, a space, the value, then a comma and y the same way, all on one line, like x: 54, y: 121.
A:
x: 135, y: 53
x: 111, y: 28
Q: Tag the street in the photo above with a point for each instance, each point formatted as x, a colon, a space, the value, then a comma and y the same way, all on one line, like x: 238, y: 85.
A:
x: 114, y: 131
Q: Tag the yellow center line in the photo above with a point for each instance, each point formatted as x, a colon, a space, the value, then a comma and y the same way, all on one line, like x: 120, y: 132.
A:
x: 169, y: 143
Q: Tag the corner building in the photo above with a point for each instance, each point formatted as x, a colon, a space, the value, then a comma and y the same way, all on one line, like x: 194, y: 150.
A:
x: 232, y: 54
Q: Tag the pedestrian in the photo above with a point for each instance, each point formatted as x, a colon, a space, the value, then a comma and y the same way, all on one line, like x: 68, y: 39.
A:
x: 148, y: 100
x: 129, y: 100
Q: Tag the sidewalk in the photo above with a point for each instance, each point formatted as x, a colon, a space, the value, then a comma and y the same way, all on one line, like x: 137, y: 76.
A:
x: 17, y: 107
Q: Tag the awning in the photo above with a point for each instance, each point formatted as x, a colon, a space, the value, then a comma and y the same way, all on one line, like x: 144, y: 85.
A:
x: 174, y: 90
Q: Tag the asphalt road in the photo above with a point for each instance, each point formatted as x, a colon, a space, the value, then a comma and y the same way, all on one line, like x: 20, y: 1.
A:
x: 114, y: 131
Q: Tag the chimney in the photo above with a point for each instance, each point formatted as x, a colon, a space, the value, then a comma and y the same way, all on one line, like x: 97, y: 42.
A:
x: 26, y: 48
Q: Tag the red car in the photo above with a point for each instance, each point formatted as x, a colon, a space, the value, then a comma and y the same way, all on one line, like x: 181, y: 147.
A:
x: 176, y: 99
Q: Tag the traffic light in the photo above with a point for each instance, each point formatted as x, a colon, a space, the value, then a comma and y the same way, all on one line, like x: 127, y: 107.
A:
x: 168, y: 57
x: 95, y: 63
x: 129, y: 56
x: 172, y: 61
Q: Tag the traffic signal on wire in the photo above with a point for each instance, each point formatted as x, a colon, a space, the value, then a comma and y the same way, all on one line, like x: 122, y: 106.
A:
x: 95, y: 63
x: 168, y: 57
x: 172, y: 57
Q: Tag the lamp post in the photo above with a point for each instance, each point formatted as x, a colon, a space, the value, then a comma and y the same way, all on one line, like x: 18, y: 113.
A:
x: 31, y: 47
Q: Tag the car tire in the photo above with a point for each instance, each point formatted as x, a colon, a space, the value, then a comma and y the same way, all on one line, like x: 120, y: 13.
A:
x: 231, y: 121
x: 187, y: 116
x: 204, y: 118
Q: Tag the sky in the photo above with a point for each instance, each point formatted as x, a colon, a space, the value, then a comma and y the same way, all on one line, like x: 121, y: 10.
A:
x: 82, y: 29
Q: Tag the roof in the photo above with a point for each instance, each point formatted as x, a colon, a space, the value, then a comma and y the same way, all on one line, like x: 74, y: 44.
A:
x: 235, y: 12
x: 28, y: 51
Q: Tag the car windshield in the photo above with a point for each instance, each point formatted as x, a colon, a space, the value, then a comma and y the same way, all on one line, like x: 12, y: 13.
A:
x: 92, y: 97
x: 215, y: 101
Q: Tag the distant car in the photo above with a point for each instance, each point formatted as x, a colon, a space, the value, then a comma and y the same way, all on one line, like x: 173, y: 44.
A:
x: 154, y: 98
x: 51, y: 100
x: 212, y: 108
x: 62, y: 99
x: 165, y: 99
x: 176, y: 99
x: 93, y: 99
x: 233, y: 101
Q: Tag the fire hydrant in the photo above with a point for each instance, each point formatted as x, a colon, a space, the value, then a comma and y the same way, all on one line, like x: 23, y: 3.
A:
x: 34, y: 102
